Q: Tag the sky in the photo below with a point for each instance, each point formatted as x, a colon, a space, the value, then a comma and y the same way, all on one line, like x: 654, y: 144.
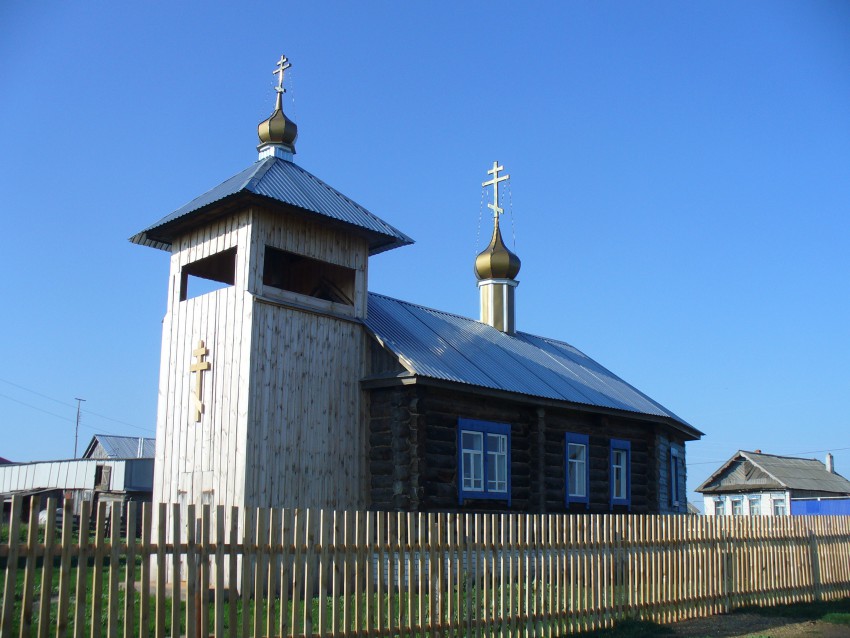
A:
x: 679, y: 192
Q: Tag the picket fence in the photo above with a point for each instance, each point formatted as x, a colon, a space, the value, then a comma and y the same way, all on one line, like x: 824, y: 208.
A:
x: 258, y: 572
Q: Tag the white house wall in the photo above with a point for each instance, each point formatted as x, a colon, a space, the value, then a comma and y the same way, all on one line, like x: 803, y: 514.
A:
x: 765, y: 500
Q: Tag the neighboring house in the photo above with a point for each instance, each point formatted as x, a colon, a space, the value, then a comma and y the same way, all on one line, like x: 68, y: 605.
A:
x: 110, y: 446
x: 756, y: 484
x: 4, y: 461
x: 104, y: 474
x: 290, y: 385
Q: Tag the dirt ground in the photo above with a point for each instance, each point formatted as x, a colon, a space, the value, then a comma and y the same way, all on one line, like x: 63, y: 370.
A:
x: 753, y: 626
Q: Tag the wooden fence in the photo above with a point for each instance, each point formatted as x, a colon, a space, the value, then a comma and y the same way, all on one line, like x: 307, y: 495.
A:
x: 324, y: 573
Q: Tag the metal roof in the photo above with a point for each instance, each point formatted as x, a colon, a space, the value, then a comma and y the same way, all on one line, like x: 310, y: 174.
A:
x: 122, y: 447
x: 439, y: 345
x: 786, y: 471
x: 282, y: 182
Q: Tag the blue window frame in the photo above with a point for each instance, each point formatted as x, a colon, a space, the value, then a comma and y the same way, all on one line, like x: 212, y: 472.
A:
x: 621, y: 472
x: 675, y: 491
x: 484, y: 460
x: 576, y: 469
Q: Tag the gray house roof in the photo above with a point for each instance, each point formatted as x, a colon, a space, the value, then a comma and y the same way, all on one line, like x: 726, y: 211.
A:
x: 108, y: 446
x: 275, y: 182
x: 437, y: 345
x: 753, y: 471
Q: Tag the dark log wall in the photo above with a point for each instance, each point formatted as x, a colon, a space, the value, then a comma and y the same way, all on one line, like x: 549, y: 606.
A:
x: 414, y: 456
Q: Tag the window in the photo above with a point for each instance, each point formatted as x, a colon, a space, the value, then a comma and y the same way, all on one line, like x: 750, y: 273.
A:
x: 779, y: 507
x: 287, y: 271
x: 484, y: 449
x: 674, y: 477
x: 620, y: 472
x: 577, y: 474
x: 755, y: 506
x: 718, y: 507
x: 208, y: 274
x: 737, y: 507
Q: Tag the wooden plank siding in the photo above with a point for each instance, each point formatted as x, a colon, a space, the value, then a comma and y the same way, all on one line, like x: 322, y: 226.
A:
x: 306, y: 444
x: 413, y: 456
x: 283, y: 420
x: 306, y: 441
x: 186, y: 451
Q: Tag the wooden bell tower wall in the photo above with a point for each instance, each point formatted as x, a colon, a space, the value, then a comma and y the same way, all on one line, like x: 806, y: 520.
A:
x: 283, y: 421
x: 307, y: 434
x: 202, y: 461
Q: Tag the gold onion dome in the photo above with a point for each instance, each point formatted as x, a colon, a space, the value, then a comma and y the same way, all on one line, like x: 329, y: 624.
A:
x: 277, y: 128
x: 496, y: 261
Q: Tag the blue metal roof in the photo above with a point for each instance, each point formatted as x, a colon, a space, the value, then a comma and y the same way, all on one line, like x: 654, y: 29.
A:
x: 439, y: 345
x: 123, y: 447
x: 284, y: 182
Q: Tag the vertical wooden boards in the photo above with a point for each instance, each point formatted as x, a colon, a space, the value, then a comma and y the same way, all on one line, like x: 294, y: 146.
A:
x: 380, y: 574
x: 187, y: 451
x: 10, y: 577
x: 305, y: 411
x: 29, y: 573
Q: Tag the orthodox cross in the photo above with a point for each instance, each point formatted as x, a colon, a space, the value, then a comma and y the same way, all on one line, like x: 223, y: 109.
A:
x: 282, y: 65
x: 199, y: 367
x: 497, y: 210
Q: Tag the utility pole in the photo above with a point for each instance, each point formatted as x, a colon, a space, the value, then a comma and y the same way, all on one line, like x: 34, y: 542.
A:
x: 77, y: 430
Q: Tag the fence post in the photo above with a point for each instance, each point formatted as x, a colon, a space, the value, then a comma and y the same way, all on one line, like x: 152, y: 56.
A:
x: 729, y: 569
x: 813, y: 549
x: 10, y: 579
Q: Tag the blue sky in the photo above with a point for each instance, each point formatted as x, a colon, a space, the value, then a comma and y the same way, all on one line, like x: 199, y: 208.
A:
x: 679, y: 188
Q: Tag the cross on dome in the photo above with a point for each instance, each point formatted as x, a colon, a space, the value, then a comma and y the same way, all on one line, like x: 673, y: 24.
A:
x: 497, y: 210
x: 277, y: 132
x: 282, y: 65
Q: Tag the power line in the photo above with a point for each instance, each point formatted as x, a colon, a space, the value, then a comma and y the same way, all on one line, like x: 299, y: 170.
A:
x: 83, y: 424
x: 43, y: 396
x: 69, y: 405
x: 58, y: 416
x: 109, y: 418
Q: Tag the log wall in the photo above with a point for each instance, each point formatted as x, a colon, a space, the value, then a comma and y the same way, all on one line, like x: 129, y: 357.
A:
x: 413, y: 454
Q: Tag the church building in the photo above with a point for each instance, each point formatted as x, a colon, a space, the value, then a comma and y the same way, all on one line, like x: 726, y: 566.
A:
x: 286, y: 383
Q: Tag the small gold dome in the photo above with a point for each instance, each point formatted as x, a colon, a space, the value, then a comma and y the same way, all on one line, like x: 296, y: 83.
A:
x: 277, y: 128
x: 496, y: 261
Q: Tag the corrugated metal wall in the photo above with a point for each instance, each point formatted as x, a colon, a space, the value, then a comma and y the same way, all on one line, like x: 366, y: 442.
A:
x: 824, y: 507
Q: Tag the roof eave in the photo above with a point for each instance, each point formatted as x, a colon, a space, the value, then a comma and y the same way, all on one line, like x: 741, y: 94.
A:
x: 413, y: 379
x: 162, y: 236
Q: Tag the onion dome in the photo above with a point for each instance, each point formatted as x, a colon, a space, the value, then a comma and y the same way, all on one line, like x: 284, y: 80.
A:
x: 277, y: 128
x: 496, y: 261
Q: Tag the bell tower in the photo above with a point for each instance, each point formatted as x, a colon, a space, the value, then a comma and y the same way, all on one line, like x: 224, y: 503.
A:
x: 262, y: 345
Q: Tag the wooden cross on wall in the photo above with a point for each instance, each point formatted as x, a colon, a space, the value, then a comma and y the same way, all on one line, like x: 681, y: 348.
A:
x: 199, y: 367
